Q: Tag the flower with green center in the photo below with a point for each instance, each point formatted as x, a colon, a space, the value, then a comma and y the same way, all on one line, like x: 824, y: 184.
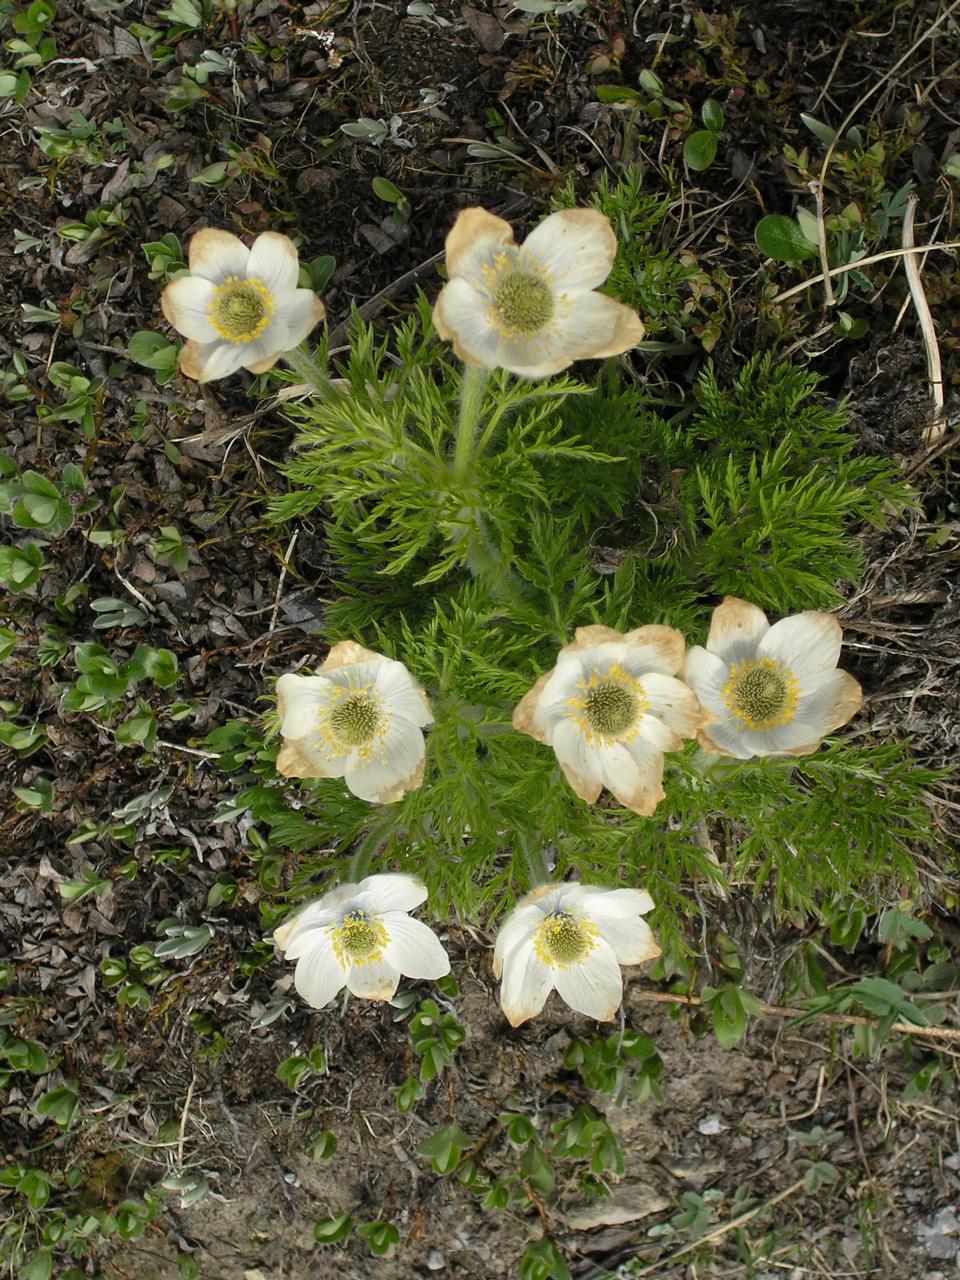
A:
x: 572, y: 938
x: 360, y: 936
x: 770, y: 690
x: 239, y: 307
x: 610, y: 709
x: 532, y: 309
x: 360, y: 718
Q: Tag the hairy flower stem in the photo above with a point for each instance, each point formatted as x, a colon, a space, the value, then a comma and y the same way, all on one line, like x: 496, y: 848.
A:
x: 303, y: 364
x: 473, y: 385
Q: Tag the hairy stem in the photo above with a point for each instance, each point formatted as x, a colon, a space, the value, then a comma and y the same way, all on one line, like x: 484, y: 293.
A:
x: 473, y: 385
x: 305, y: 366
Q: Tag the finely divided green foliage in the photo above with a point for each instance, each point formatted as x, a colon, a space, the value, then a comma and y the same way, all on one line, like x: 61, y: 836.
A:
x: 474, y: 560
x: 576, y: 504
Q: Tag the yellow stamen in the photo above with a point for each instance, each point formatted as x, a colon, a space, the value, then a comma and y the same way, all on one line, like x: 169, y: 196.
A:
x: 359, y: 938
x: 609, y: 706
x: 561, y: 940
x: 241, y: 309
x: 521, y: 294
x: 353, y: 720
x: 762, y: 693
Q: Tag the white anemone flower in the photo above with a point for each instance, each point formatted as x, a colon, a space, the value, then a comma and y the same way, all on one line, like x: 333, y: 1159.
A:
x: 770, y: 690
x: 239, y: 307
x: 361, y: 719
x: 359, y: 936
x: 572, y: 938
x: 610, y: 708
x: 532, y: 308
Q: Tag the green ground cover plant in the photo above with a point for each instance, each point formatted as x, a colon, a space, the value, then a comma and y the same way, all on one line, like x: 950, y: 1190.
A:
x: 476, y: 523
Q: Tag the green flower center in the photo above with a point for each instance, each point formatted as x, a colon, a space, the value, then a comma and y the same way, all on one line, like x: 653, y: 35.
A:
x: 610, y: 708
x: 355, y: 720
x: 240, y: 310
x: 359, y: 938
x: 562, y: 940
x: 524, y: 301
x: 761, y: 693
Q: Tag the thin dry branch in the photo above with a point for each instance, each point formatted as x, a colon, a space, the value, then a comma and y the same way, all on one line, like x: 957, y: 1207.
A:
x: 929, y: 334
x: 864, y: 262
x: 778, y: 1011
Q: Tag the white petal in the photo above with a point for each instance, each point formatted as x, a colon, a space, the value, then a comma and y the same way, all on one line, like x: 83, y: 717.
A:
x: 356, y: 676
x: 300, y: 311
x: 402, y: 697
x: 319, y: 974
x: 726, y: 736
x: 672, y: 702
x: 298, y: 936
x: 266, y: 349
x: 707, y: 675
x: 519, y: 927
x: 589, y: 326
x: 653, y: 648
x: 218, y: 360
x: 300, y: 701
x: 273, y: 259
x: 633, y: 773
x: 461, y: 316
x: 808, y: 644
x: 534, y: 355
x: 580, y: 763
x: 736, y: 628
x: 373, y: 981
x: 310, y: 757
x: 617, y: 903
x: 557, y: 692
x: 526, y: 983
x: 593, y: 987
x: 830, y: 703
x: 216, y: 254
x: 397, y: 767
x: 186, y: 304
x: 782, y: 740
x: 391, y: 891
x: 630, y: 938
x: 577, y: 246
x: 413, y: 948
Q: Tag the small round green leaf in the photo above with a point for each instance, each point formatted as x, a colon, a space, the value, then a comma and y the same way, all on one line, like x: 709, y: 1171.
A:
x: 780, y: 237
x: 700, y: 149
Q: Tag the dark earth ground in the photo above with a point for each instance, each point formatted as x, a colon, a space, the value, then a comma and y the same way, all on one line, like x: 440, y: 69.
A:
x: 198, y: 458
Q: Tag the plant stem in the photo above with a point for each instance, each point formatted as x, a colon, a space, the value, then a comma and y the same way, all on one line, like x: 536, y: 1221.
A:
x: 304, y: 365
x: 473, y: 385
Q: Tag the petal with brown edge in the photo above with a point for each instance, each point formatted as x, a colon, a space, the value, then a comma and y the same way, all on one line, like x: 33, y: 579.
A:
x: 526, y: 709
x: 472, y: 226
x: 662, y: 647
x: 832, y: 703
x: 640, y: 788
x: 216, y: 254
x: 590, y: 637
x: 261, y: 366
x: 577, y: 247
x: 595, y: 326
x: 347, y: 654
x: 736, y: 628
x: 296, y: 760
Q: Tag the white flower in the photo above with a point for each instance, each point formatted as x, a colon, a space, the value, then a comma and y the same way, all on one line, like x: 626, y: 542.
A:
x: 610, y: 708
x: 572, y: 937
x: 360, y: 936
x: 239, y: 307
x: 770, y: 690
x: 532, y: 309
x: 361, y: 719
